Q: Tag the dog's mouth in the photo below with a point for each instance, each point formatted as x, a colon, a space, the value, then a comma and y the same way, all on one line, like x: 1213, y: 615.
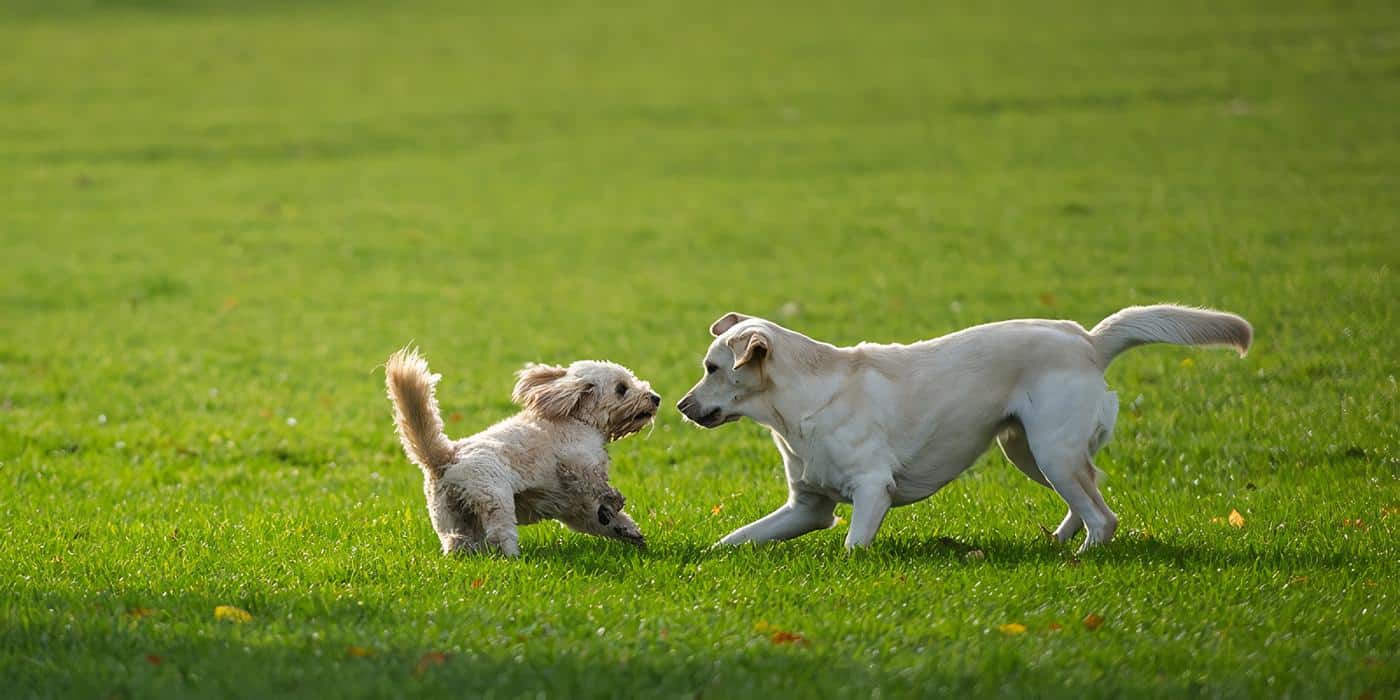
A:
x: 711, y: 419
x: 643, y: 417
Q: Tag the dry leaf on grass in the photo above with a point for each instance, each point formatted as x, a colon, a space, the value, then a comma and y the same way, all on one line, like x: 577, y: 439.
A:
x: 477, y: 583
x: 429, y: 660
x: 1236, y: 519
x: 1093, y: 621
x: 229, y: 613
x: 139, y: 613
x: 1012, y: 629
x: 778, y: 636
x: 153, y: 659
x: 716, y: 509
x: 358, y: 652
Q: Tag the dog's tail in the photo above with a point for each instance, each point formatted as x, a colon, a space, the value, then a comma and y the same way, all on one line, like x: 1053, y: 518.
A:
x: 416, y: 412
x: 1168, y: 323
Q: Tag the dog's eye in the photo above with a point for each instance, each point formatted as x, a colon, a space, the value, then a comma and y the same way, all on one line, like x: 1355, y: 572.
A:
x: 711, y: 368
x: 621, y: 389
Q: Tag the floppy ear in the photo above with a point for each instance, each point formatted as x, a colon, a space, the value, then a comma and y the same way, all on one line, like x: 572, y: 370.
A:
x: 749, y: 347
x: 726, y: 322
x: 545, y: 390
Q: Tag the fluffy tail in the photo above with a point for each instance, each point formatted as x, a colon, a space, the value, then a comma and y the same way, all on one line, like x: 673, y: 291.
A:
x: 1167, y: 323
x: 416, y: 410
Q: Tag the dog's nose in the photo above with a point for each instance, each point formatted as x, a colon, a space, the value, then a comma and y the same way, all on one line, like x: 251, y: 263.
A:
x: 655, y: 399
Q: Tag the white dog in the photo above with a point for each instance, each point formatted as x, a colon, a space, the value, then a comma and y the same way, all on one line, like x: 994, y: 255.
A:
x: 887, y: 425
x: 547, y: 462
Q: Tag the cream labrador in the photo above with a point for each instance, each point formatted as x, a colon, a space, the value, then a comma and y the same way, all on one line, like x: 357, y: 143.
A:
x: 888, y: 425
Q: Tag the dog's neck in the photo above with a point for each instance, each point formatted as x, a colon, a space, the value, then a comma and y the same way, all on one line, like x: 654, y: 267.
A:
x: 798, y: 392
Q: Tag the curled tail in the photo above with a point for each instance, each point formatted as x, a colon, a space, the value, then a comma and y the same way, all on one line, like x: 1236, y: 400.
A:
x: 416, y: 410
x: 1167, y: 323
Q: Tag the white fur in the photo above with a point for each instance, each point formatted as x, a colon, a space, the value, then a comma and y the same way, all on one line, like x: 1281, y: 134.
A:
x: 547, y: 462
x: 887, y: 425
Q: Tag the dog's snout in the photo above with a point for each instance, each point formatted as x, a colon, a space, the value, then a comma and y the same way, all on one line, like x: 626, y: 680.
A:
x: 685, y: 403
x: 655, y: 399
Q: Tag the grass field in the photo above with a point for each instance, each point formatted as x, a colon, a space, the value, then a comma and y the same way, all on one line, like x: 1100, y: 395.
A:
x: 217, y: 220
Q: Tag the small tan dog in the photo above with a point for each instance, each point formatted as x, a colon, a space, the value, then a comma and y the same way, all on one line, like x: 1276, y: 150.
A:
x: 547, y: 462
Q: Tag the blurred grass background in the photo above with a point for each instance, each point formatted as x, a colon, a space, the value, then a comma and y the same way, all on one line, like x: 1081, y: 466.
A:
x: 219, y: 218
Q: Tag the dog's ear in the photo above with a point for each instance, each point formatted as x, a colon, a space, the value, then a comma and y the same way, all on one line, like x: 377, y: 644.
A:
x: 545, y: 390
x: 749, y: 347
x: 726, y: 322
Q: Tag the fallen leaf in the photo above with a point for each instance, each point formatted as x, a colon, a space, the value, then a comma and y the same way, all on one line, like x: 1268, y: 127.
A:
x: 1047, y: 299
x: 429, y: 660
x: 232, y: 614
x: 1012, y: 629
x: 139, y: 613
x: 1093, y: 621
x: 1236, y: 519
x: 1367, y: 694
x: 477, y: 583
x: 786, y: 637
x: 1056, y: 627
x: 1387, y: 511
x: 716, y: 509
x: 1356, y: 523
x: 153, y: 660
x: 1188, y: 363
x: 456, y: 417
x: 359, y: 652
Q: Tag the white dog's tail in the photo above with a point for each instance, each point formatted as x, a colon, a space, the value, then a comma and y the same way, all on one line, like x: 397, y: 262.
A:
x: 416, y: 412
x: 1167, y: 323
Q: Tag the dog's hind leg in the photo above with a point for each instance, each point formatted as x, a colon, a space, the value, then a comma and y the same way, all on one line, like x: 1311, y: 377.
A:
x: 451, y: 524
x: 1017, y: 449
x: 497, y: 513
x: 1062, y: 425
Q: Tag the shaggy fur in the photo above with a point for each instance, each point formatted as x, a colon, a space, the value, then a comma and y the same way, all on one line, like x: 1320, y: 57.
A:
x: 547, y: 462
x: 878, y: 425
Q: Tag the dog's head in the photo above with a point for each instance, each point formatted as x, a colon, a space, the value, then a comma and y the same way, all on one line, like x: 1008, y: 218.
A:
x: 603, y: 394
x: 734, y: 370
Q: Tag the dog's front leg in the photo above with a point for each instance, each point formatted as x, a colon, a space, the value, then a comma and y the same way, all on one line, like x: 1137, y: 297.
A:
x: 803, y: 513
x: 870, y: 501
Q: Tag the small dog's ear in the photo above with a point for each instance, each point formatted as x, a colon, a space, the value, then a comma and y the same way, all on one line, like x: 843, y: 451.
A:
x: 544, y: 390
x: 726, y: 322
x: 749, y: 347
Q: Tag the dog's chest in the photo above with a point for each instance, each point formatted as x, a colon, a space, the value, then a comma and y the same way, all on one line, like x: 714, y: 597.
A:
x: 827, y: 459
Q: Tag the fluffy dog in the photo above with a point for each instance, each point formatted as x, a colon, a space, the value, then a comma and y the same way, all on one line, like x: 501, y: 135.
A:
x: 887, y: 425
x: 547, y: 462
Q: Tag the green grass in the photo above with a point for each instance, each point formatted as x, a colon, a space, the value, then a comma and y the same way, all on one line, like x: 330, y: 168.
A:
x: 216, y: 222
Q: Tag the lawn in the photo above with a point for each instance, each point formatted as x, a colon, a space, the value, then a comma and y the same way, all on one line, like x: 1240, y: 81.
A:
x: 217, y: 219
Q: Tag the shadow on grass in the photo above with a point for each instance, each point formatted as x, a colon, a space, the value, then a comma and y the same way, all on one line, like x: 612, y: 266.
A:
x: 114, y: 656
x: 591, y: 557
